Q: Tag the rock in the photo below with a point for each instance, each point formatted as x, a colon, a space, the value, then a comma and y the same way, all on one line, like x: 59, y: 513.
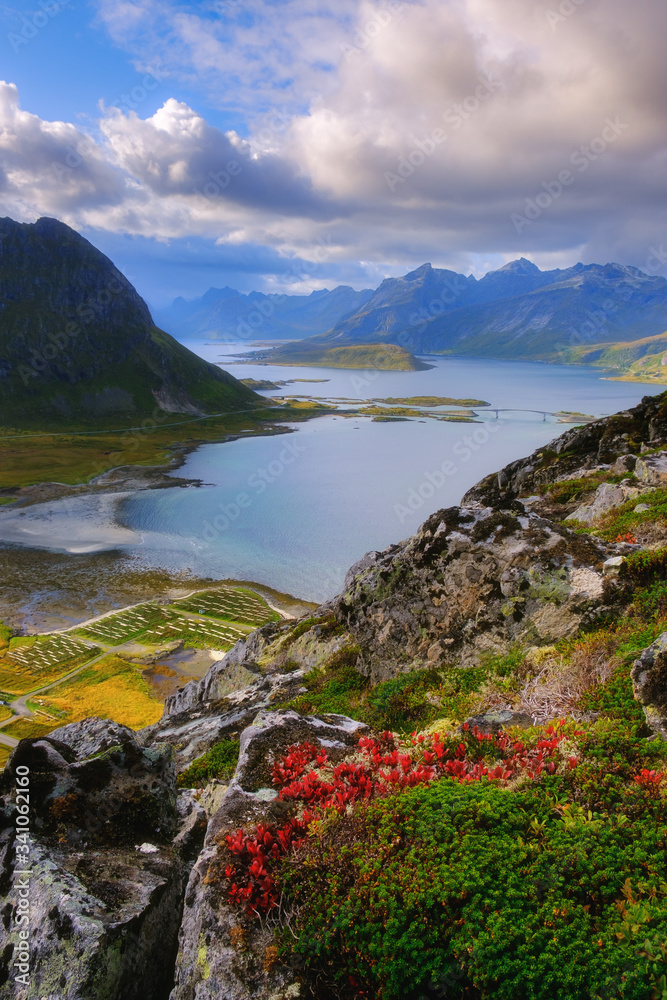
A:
x: 220, y: 954
x: 192, y: 731
x: 472, y: 580
x: 93, y: 736
x: 649, y: 681
x: 641, y: 508
x: 579, y: 450
x: 104, y: 912
x: 625, y: 463
x: 612, y: 567
x: 493, y: 722
x: 607, y: 496
x: 652, y: 469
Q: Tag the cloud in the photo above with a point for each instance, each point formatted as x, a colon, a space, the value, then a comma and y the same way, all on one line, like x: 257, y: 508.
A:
x: 447, y: 131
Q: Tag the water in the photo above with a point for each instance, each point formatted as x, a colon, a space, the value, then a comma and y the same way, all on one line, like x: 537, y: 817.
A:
x: 294, y: 511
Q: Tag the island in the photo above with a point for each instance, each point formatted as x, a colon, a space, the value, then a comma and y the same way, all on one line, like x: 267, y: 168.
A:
x: 382, y: 357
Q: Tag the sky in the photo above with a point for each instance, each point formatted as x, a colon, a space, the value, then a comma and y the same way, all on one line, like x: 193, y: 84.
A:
x: 293, y: 145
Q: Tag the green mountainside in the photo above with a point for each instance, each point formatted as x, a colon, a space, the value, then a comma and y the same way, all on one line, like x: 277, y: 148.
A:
x: 385, y: 357
x: 78, y: 344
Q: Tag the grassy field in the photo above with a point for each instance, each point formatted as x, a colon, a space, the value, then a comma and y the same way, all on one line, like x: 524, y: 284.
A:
x: 231, y: 604
x: 17, y: 679
x: 155, y: 624
x: 112, y: 689
x: 70, y: 457
x: 24, y: 729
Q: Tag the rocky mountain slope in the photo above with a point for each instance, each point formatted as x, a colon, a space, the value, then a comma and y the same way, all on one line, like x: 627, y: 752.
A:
x: 501, y: 612
x: 516, y: 312
x: 225, y: 314
x: 78, y: 344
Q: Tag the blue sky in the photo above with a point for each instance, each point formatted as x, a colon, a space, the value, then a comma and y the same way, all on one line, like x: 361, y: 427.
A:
x: 223, y: 142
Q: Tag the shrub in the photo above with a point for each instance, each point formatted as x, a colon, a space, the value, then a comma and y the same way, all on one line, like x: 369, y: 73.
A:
x: 478, y: 891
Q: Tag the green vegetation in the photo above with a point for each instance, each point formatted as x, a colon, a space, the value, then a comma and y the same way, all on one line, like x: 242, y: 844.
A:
x: 219, y: 762
x: 383, y: 357
x: 624, y: 519
x: 24, y: 729
x: 155, y: 624
x: 410, y: 701
x: 19, y: 677
x: 567, y: 490
x: 396, y: 412
x: 238, y: 604
x: 637, y: 360
x: 70, y: 457
x: 557, y: 888
x: 432, y: 401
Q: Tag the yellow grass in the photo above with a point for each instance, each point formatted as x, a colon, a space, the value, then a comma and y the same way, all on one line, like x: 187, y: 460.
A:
x: 24, y: 729
x: 17, y: 680
x: 5, y: 713
x: 112, y: 689
x: 4, y: 756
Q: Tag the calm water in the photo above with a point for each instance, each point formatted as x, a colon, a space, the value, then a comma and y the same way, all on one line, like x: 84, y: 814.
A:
x: 294, y: 511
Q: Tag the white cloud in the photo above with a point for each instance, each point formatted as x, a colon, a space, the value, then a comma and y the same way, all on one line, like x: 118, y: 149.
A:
x: 395, y: 131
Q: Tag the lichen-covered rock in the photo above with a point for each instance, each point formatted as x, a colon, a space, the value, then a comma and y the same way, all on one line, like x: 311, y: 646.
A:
x: 473, y: 580
x: 607, y: 496
x: 192, y: 724
x: 111, y: 847
x: 649, y: 681
x: 652, y: 469
x: 220, y: 954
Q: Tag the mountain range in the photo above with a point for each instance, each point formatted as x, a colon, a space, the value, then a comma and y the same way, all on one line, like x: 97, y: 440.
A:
x: 225, y: 314
x: 78, y: 344
x: 517, y: 311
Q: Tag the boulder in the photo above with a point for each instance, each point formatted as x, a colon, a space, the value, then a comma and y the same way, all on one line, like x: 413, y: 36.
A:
x: 110, y: 852
x: 607, y: 496
x: 652, y: 469
x: 220, y: 953
x: 473, y: 580
x: 649, y: 681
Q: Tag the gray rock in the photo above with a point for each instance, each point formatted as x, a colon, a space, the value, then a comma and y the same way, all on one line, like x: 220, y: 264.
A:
x: 219, y: 954
x: 607, y: 496
x: 649, y: 681
x: 652, y: 469
x: 111, y: 849
x: 625, y: 463
x: 472, y: 580
x: 93, y: 736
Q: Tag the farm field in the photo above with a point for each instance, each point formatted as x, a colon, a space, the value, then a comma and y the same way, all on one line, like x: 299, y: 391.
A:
x: 233, y: 604
x: 111, y: 688
x: 104, y: 667
x: 17, y: 677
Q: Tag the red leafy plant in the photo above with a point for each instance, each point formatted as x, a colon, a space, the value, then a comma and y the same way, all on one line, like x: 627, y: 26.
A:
x: 383, y: 767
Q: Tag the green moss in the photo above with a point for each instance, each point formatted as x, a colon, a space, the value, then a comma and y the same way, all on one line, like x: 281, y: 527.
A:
x: 219, y: 762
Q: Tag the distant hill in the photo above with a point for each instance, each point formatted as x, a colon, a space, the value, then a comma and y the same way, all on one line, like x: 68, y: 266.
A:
x: 645, y: 358
x: 383, y: 357
x: 78, y: 344
x: 223, y: 313
x: 517, y: 311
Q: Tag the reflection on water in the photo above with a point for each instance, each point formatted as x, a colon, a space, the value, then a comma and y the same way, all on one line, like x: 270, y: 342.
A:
x: 294, y: 512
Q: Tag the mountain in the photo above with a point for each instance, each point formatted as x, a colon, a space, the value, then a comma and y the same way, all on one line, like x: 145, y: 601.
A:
x: 226, y: 313
x: 78, y: 344
x: 516, y: 311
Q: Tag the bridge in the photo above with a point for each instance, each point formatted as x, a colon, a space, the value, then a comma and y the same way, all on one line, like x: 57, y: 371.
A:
x: 578, y: 417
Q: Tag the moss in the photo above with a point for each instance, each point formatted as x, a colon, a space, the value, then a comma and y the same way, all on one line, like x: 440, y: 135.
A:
x: 219, y: 762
